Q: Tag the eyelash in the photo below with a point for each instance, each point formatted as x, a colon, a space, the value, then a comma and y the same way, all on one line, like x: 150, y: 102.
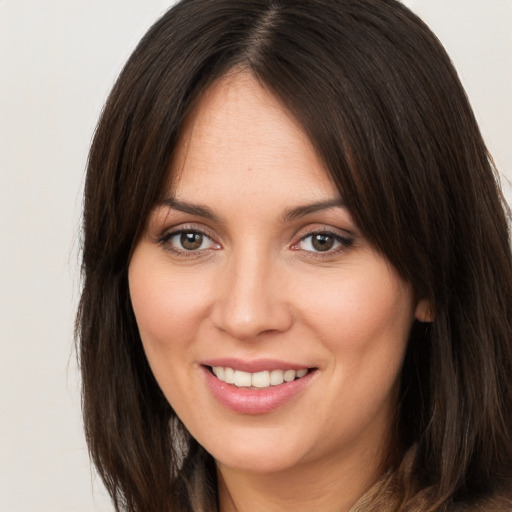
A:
x: 343, y: 243
x: 166, y: 241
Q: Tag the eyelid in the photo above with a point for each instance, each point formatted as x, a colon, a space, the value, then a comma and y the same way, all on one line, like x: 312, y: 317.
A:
x: 181, y: 227
x: 343, y: 237
x: 168, y: 233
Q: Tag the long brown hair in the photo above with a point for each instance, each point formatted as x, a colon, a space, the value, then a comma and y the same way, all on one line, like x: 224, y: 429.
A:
x: 382, y: 104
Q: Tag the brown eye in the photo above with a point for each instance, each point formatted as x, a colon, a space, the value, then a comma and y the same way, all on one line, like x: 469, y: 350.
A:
x: 184, y: 241
x: 191, y: 241
x: 322, y: 243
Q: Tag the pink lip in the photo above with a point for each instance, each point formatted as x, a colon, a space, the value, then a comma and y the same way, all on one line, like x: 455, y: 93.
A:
x: 254, y: 401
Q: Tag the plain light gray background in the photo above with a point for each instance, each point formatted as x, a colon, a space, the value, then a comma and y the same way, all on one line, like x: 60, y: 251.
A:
x: 58, y: 60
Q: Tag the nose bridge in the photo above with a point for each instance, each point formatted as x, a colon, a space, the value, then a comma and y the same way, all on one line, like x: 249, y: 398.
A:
x: 252, y: 301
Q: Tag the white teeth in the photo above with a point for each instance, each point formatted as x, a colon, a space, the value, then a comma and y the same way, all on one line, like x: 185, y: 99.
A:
x: 276, y: 377
x: 289, y: 375
x: 219, y: 372
x: 263, y: 379
x: 229, y: 375
x: 242, y: 379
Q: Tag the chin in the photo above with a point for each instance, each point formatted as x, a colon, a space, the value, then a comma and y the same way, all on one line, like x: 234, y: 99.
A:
x: 259, y: 456
x: 252, y: 463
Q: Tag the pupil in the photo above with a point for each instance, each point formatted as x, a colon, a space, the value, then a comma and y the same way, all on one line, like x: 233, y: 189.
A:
x: 323, y: 242
x: 191, y: 241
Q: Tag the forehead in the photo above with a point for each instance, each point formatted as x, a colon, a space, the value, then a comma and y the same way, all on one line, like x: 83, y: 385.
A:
x: 239, y: 133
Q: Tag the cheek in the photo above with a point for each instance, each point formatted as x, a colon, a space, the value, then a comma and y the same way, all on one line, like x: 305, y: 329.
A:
x: 168, y: 305
x: 363, y: 319
x: 358, y: 310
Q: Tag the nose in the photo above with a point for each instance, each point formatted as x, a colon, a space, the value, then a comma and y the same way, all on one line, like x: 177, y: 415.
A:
x: 252, y: 298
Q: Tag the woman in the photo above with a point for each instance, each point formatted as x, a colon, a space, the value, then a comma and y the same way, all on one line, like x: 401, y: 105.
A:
x: 297, y: 272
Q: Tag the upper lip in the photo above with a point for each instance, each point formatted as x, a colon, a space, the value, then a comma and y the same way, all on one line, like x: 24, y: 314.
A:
x: 253, y: 366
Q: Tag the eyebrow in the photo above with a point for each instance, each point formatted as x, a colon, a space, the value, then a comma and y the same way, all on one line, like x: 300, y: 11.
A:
x: 307, y: 209
x: 289, y: 215
x: 190, y: 208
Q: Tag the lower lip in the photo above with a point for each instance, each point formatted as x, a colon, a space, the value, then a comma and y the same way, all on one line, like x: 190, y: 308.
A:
x: 255, y: 401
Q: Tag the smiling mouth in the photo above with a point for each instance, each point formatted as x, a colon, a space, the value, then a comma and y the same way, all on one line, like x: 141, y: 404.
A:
x: 258, y: 380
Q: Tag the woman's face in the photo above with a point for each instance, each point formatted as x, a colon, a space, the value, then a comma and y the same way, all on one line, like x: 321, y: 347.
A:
x: 253, y: 266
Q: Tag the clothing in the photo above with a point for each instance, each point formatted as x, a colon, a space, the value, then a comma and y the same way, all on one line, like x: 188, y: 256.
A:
x: 387, y: 496
x: 377, y: 501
